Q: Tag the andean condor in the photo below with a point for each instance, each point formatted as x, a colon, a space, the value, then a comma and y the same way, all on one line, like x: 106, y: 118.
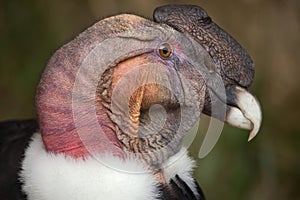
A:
x: 114, y: 104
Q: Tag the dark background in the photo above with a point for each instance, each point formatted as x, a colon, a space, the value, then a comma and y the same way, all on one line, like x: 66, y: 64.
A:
x: 266, y: 168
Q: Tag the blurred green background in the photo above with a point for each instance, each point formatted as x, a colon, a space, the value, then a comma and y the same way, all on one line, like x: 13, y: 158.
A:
x: 266, y: 168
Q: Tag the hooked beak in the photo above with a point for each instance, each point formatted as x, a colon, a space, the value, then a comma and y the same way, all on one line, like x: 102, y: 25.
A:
x: 243, y: 110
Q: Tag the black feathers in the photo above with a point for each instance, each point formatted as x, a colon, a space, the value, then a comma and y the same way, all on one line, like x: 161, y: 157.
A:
x: 14, y: 137
x: 179, y: 190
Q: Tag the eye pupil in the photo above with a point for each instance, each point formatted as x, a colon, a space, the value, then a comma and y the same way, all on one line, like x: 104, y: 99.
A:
x: 165, y: 50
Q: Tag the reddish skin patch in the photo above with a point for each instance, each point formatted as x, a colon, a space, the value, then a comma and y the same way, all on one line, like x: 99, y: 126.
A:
x: 54, y: 93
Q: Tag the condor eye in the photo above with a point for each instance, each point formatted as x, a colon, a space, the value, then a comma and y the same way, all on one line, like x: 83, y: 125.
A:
x: 165, y: 50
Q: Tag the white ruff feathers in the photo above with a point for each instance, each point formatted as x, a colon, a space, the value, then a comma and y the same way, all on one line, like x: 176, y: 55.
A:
x: 56, y: 177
